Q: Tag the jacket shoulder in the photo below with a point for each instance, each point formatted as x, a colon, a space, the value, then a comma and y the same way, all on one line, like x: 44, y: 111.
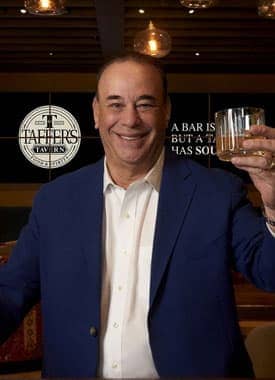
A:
x: 207, y: 178
x: 68, y: 184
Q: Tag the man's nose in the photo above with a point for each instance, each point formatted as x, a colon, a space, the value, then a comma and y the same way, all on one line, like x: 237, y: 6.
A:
x: 130, y: 116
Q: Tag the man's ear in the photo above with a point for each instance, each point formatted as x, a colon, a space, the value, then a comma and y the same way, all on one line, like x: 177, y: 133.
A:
x: 168, y: 110
x: 95, y: 111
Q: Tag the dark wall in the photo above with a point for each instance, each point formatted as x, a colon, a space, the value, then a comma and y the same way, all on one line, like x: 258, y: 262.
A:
x: 192, y: 115
x: 190, y: 134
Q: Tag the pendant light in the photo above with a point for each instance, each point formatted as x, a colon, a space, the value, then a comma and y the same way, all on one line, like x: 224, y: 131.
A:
x: 266, y: 8
x: 45, y: 7
x: 197, y: 4
x: 153, y: 41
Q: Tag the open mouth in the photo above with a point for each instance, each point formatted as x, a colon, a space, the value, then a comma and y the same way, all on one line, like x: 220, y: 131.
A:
x: 133, y: 137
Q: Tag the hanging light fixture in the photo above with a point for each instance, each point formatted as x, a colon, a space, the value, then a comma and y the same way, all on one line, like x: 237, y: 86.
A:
x: 198, y: 3
x: 153, y: 41
x: 266, y: 8
x: 45, y: 7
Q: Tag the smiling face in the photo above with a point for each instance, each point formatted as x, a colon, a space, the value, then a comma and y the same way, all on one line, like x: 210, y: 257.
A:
x: 131, y: 114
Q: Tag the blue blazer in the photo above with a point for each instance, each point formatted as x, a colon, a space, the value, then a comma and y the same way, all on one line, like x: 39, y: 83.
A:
x: 205, y: 227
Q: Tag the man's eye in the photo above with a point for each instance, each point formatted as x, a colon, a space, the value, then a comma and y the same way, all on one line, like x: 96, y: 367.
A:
x: 115, y: 106
x: 145, y: 106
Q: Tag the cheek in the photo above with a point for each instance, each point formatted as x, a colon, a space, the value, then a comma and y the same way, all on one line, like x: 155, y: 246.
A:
x: 106, y: 124
x: 161, y: 125
x: 106, y: 121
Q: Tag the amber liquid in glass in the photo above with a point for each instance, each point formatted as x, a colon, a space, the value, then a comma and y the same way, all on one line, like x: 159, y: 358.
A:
x: 229, y: 146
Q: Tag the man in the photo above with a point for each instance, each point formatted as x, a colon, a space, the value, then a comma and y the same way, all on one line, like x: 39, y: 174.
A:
x: 132, y: 256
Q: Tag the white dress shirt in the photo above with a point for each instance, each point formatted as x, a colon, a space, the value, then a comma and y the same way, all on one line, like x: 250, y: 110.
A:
x: 128, y: 233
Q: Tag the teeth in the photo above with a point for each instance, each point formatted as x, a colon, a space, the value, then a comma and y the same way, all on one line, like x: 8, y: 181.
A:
x: 129, y: 138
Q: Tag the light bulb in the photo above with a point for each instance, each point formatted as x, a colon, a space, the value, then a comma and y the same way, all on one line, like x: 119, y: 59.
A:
x: 44, y: 4
x: 198, y: 3
x: 153, y: 41
x: 266, y: 8
x: 45, y: 7
x: 153, y: 46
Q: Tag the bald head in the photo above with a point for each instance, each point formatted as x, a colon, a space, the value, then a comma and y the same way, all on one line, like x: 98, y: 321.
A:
x: 139, y: 59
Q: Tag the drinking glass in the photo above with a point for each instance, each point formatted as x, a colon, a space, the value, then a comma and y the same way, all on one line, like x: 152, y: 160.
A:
x: 232, y: 127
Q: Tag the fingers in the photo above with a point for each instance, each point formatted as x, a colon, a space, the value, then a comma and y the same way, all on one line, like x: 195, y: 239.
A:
x: 265, y: 142
x: 263, y: 130
x: 260, y: 144
x: 262, y: 139
x: 257, y: 171
x: 255, y: 164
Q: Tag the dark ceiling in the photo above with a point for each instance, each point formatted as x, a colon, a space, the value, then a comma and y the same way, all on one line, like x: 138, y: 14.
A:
x: 230, y: 37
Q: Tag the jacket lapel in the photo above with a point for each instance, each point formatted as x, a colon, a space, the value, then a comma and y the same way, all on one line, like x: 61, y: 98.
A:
x: 89, y: 220
x: 176, y: 193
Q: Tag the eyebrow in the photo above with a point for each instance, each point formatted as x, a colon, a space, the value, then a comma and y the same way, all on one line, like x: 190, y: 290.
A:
x: 146, y: 97
x: 141, y: 97
x: 113, y: 97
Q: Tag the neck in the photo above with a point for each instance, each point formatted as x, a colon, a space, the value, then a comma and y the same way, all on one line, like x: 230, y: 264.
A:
x: 124, y: 175
x: 125, y: 179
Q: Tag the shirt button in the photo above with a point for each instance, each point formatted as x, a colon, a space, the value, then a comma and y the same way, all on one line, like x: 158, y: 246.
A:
x: 127, y: 215
x: 93, y: 331
x: 124, y: 251
x: 115, y: 325
x: 114, y: 365
x: 119, y: 287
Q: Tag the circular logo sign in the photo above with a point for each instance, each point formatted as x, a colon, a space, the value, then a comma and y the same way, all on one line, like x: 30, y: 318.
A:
x: 49, y: 137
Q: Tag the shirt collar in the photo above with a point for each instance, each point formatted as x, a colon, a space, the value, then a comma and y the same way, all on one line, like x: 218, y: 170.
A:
x: 153, y: 177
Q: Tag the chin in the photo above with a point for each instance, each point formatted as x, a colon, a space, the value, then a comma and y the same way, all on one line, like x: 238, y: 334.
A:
x: 140, y: 160
x: 132, y: 161
x: 131, y: 156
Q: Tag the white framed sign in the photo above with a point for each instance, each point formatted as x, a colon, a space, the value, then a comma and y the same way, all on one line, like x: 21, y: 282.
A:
x: 49, y: 137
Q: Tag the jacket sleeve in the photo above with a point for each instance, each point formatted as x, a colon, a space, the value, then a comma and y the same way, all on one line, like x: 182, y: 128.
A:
x: 252, y: 243
x: 19, y: 279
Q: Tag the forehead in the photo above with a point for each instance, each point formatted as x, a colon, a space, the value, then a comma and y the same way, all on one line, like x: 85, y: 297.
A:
x: 130, y: 78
